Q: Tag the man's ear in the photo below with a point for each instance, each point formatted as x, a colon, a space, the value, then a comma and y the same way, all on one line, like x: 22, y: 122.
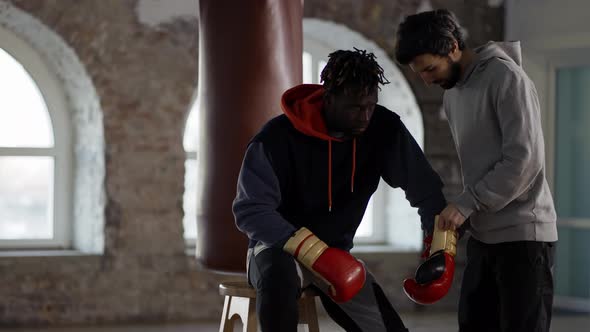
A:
x: 455, y: 53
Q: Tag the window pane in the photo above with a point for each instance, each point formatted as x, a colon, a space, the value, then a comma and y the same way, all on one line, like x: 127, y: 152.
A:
x: 26, y: 198
x: 366, y: 227
x: 190, y: 199
x: 306, y: 60
x: 403, y: 221
x: 572, y: 178
x: 572, y: 181
x: 321, y: 65
x: 191, y: 131
x: 572, y: 277
x: 24, y: 119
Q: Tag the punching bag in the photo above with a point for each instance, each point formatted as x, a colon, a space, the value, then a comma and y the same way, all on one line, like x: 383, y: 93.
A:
x: 249, y: 54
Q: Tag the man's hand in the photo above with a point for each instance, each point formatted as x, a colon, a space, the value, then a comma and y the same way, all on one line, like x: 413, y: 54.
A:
x: 451, y: 218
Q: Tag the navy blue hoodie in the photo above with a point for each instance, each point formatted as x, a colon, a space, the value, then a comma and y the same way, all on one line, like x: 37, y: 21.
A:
x: 295, y: 175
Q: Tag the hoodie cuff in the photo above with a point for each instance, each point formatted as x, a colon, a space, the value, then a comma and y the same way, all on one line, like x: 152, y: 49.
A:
x: 428, y: 229
x: 281, y: 243
x: 464, y: 203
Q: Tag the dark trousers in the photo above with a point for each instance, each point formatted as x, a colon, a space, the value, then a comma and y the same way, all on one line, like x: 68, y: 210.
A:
x: 274, y: 275
x: 507, y: 287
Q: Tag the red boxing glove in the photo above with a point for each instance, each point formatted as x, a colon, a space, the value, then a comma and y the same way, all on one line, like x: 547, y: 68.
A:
x: 340, y: 270
x: 434, y: 277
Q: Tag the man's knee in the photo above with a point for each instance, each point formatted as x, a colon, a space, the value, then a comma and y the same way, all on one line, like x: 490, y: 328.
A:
x: 276, y: 270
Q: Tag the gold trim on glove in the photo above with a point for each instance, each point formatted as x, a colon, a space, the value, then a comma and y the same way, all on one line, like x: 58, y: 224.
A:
x: 310, y: 246
x: 311, y: 250
x: 443, y: 240
x: 296, y: 239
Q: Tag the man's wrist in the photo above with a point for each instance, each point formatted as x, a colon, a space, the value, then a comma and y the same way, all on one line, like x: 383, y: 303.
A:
x: 464, y: 203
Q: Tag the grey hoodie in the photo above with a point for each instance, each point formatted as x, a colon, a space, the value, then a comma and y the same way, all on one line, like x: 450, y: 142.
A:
x: 494, y: 116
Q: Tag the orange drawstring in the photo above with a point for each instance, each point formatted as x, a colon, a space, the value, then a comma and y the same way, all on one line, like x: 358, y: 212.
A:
x: 330, y: 175
x: 330, y: 171
x: 353, y: 165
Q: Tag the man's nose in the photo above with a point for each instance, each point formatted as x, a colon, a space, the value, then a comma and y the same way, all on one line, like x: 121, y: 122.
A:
x: 426, y: 78
x: 366, y: 113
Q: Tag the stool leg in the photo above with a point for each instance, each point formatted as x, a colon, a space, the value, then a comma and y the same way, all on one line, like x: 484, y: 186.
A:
x: 251, y: 321
x: 227, y: 324
x: 308, y: 314
x: 245, y: 308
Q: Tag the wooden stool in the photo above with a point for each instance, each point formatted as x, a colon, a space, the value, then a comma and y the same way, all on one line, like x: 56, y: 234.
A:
x: 240, y: 300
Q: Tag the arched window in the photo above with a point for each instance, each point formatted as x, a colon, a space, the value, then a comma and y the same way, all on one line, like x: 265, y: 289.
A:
x: 35, y: 151
x: 389, y: 218
x: 69, y: 106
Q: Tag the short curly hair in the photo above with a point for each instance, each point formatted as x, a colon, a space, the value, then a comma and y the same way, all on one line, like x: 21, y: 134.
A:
x: 352, y: 71
x: 432, y: 32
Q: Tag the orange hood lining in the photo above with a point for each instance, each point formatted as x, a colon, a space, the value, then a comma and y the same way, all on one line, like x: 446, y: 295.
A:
x: 303, y: 105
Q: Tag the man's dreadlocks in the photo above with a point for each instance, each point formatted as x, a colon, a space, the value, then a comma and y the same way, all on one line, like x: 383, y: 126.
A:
x: 352, y: 72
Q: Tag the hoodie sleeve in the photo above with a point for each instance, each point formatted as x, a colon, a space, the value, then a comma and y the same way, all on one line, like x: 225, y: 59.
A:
x: 258, y: 197
x: 517, y: 110
x: 407, y: 168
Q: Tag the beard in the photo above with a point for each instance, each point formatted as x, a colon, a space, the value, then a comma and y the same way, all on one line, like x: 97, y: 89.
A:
x: 454, y: 75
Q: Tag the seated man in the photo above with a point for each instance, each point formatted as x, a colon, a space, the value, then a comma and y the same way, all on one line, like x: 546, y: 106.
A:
x: 303, y: 188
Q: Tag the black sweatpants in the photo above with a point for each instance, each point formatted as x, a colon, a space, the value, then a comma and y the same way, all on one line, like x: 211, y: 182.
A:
x: 507, y: 287
x: 279, y: 279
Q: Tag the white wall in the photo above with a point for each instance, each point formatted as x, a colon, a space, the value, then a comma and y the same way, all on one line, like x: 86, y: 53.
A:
x: 156, y: 12
x: 548, y: 23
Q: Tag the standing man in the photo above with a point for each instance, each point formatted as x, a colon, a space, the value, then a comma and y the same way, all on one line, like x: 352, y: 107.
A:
x: 494, y: 115
x: 303, y: 188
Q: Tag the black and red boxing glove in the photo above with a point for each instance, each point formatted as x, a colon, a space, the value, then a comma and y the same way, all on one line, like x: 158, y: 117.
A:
x: 434, y: 277
x: 340, y: 270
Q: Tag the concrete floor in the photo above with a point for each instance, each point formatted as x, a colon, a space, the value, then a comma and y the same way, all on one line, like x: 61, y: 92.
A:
x: 438, y: 322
